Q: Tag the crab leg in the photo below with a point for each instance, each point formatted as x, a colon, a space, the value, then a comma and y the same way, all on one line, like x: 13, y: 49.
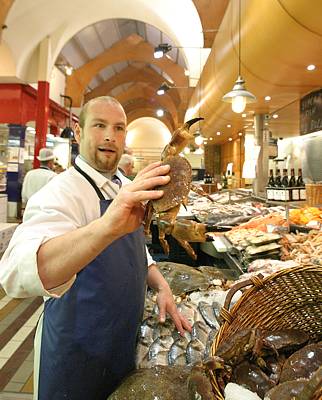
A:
x: 163, y: 242
x: 148, y: 218
x: 198, y: 190
x: 187, y: 247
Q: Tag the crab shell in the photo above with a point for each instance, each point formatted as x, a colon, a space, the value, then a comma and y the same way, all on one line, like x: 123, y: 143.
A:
x: 176, y: 191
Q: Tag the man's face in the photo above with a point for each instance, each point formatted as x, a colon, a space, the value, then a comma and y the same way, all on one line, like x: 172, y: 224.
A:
x: 102, y: 139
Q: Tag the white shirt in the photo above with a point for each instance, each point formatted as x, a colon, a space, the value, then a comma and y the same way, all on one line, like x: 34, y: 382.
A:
x: 34, y: 180
x: 66, y: 203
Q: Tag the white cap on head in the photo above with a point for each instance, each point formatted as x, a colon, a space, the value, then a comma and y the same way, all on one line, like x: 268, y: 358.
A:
x: 45, y: 155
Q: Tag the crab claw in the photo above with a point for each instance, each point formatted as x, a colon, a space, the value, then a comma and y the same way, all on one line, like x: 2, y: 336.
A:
x: 192, y: 121
x: 180, y: 139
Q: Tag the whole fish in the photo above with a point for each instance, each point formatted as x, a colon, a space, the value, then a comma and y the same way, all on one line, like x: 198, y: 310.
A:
x: 216, y: 309
x: 195, y: 351
x: 200, y: 331
x: 177, y: 352
x: 146, y: 329
x: 208, y: 314
x: 158, y: 351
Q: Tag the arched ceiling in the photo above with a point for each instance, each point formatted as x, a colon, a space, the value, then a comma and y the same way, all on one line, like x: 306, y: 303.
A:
x: 138, y: 72
x: 106, y: 40
x: 279, y: 40
x: 109, y: 44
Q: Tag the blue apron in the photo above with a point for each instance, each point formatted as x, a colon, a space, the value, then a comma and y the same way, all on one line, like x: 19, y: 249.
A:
x: 89, y: 334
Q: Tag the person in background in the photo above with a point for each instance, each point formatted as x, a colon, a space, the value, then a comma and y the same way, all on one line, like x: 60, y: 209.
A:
x: 128, y: 150
x: 35, y: 179
x: 126, y: 165
x: 58, y: 168
x: 82, y: 247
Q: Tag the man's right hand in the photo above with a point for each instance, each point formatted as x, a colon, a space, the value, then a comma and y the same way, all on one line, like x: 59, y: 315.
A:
x: 126, y: 212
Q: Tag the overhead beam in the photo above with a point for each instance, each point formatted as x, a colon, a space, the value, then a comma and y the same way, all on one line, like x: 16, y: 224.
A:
x: 133, y: 74
x: 147, y: 112
x: 142, y: 103
x: 132, y: 48
x: 139, y: 90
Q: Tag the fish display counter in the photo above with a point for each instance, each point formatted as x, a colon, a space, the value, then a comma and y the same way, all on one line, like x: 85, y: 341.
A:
x: 256, y: 363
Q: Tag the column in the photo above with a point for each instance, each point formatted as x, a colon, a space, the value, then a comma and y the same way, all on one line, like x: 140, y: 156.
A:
x: 262, y: 140
x: 43, y: 76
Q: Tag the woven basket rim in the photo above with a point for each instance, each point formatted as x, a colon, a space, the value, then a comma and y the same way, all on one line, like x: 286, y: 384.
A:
x: 256, y: 284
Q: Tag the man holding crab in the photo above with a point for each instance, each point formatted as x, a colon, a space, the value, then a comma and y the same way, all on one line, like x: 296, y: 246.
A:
x: 81, y: 246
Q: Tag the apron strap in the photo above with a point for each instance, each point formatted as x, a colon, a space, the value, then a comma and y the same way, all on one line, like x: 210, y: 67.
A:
x: 90, y: 180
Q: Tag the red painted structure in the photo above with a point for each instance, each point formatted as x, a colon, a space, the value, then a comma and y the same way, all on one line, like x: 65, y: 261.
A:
x: 19, y: 104
x: 42, y: 118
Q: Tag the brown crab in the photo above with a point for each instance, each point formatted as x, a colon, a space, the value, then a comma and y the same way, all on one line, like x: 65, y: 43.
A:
x: 176, y: 193
x: 258, y: 343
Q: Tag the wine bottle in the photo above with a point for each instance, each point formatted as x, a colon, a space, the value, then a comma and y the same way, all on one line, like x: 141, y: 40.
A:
x: 300, y: 182
x: 285, y: 194
x: 295, y: 192
x: 270, y: 186
x: 224, y: 181
x: 278, y: 181
x: 278, y: 185
x: 292, y: 181
x: 301, y: 185
x: 285, y: 178
x: 271, y: 180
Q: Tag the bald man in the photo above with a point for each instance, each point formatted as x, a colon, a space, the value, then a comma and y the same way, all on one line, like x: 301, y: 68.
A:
x: 126, y: 164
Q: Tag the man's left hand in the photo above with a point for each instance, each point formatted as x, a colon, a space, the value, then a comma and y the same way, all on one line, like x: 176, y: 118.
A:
x: 166, y: 305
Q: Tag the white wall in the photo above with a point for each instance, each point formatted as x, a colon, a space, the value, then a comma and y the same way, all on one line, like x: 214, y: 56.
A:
x: 147, y: 137
x: 57, y: 86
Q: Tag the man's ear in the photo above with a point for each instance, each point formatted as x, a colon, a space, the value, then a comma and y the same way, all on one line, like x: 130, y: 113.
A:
x: 77, y: 132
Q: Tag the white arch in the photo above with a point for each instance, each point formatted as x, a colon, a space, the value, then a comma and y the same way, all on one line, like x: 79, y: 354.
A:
x: 147, y: 132
x: 30, y: 22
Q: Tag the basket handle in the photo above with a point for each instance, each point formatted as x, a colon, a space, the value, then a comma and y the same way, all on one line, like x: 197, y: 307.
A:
x: 254, y: 281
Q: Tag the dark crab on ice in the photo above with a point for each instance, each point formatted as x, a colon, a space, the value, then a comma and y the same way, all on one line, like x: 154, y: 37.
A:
x: 176, y: 192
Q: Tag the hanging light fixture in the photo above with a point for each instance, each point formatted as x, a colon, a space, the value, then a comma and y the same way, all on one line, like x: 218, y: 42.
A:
x: 161, y: 49
x: 163, y: 88
x: 199, y: 138
x: 239, y: 96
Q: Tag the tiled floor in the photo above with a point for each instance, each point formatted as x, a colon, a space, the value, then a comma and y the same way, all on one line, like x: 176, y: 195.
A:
x: 18, y: 319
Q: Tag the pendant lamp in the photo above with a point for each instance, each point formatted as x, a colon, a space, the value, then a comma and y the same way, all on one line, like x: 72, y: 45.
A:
x: 239, y: 96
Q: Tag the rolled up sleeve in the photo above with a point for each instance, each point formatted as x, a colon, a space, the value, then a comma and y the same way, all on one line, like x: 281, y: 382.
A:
x: 19, y: 272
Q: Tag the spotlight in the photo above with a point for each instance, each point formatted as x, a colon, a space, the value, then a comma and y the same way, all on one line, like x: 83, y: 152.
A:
x: 163, y: 88
x: 161, y: 49
x: 66, y: 68
x: 160, y: 112
x: 69, y: 70
x: 199, y: 140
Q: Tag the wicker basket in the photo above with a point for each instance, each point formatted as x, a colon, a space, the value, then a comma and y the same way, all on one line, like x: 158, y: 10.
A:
x: 313, y: 194
x: 290, y: 298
